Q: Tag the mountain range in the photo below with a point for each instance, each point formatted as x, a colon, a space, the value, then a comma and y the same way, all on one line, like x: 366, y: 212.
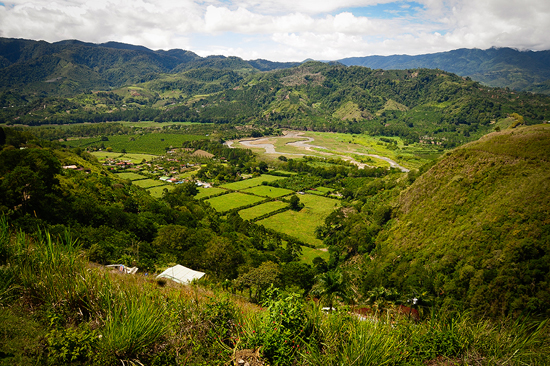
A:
x: 70, y: 66
x: 498, y: 67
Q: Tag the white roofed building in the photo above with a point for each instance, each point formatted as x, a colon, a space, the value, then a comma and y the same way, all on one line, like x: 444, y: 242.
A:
x: 181, y: 274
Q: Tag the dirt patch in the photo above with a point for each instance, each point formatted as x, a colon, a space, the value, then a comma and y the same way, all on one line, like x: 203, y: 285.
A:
x: 247, y: 357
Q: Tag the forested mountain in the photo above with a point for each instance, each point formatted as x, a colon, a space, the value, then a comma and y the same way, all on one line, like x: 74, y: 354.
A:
x: 499, y: 67
x: 72, y: 66
x: 420, y: 105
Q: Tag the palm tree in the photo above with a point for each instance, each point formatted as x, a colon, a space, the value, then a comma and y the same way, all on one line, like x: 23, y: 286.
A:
x: 330, y: 286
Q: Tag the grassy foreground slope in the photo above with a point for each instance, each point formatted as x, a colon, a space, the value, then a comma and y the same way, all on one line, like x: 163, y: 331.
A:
x: 475, y: 228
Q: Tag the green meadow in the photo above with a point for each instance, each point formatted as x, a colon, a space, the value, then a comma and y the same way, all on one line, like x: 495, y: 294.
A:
x: 262, y: 209
x: 207, y: 192
x: 308, y: 254
x: 158, y: 191
x: 302, y: 224
x: 130, y: 175
x: 268, y: 191
x: 252, y: 182
x: 320, y: 191
x: 148, y: 183
x: 233, y: 200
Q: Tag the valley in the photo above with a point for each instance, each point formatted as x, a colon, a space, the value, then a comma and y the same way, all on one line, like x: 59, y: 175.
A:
x: 340, y: 214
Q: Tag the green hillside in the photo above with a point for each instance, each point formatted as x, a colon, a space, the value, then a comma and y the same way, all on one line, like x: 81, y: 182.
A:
x: 474, y: 231
x: 500, y: 67
x: 426, y: 106
x: 68, y: 67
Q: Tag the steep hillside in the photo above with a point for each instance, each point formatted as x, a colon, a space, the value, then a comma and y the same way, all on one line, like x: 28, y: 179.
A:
x: 474, y: 231
x: 500, y: 67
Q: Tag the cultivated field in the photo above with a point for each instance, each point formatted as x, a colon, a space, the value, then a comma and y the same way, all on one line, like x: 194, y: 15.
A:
x: 207, y: 192
x: 308, y: 254
x: 159, y: 190
x: 320, y: 191
x: 130, y: 175
x: 148, y: 183
x: 252, y: 182
x: 233, y: 200
x: 267, y: 191
x: 104, y: 155
x: 259, y: 210
x: 302, y: 224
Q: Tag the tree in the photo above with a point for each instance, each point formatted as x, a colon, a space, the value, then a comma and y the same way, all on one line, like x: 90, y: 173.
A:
x: 330, y: 286
x: 295, y: 203
x: 2, y: 136
x: 260, y: 278
x: 263, y: 167
x: 172, y: 237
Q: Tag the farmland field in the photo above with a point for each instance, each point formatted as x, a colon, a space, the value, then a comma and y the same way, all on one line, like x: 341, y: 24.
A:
x: 207, y: 192
x: 159, y: 190
x: 320, y: 191
x: 138, y: 158
x: 272, y: 192
x: 103, y: 155
x: 308, y: 254
x: 130, y: 175
x: 252, y: 182
x: 302, y: 224
x: 259, y: 210
x: 148, y: 183
x: 151, y: 143
x: 233, y: 200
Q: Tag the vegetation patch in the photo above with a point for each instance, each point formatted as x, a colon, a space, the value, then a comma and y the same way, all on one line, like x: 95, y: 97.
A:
x: 208, y: 192
x: 267, y: 191
x: 158, y: 191
x: 321, y: 191
x: 302, y: 224
x: 151, y: 143
x: 252, y: 182
x: 148, y: 183
x: 131, y: 176
x: 309, y: 254
x: 232, y: 201
x: 262, y: 209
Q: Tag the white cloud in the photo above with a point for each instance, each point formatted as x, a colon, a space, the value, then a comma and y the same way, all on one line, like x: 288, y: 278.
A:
x: 295, y: 30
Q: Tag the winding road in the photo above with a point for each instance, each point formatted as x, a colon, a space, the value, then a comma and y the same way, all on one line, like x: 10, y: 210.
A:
x: 306, y: 145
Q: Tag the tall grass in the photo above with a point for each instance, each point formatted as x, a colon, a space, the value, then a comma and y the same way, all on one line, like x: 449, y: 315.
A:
x: 133, y: 324
x: 111, y: 318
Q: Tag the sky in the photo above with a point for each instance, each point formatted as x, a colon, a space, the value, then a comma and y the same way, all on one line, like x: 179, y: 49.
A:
x: 286, y: 30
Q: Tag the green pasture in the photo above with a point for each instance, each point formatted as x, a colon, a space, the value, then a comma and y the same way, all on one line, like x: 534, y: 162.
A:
x: 159, y: 190
x: 138, y: 158
x: 267, y: 191
x: 320, y: 191
x: 130, y: 175
x: 308, y: 254
x: 302, y: 224
x: 262, y: 209
x: 207, y: 192
x: 232, y: 200
x: 150, y: 143
x: 189, y: 173
x: 104, y: 155
x: 148, y: 183
x: 252, y: 182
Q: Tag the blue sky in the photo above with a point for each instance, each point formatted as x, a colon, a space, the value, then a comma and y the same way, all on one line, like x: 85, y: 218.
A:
x: 286, y: 30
